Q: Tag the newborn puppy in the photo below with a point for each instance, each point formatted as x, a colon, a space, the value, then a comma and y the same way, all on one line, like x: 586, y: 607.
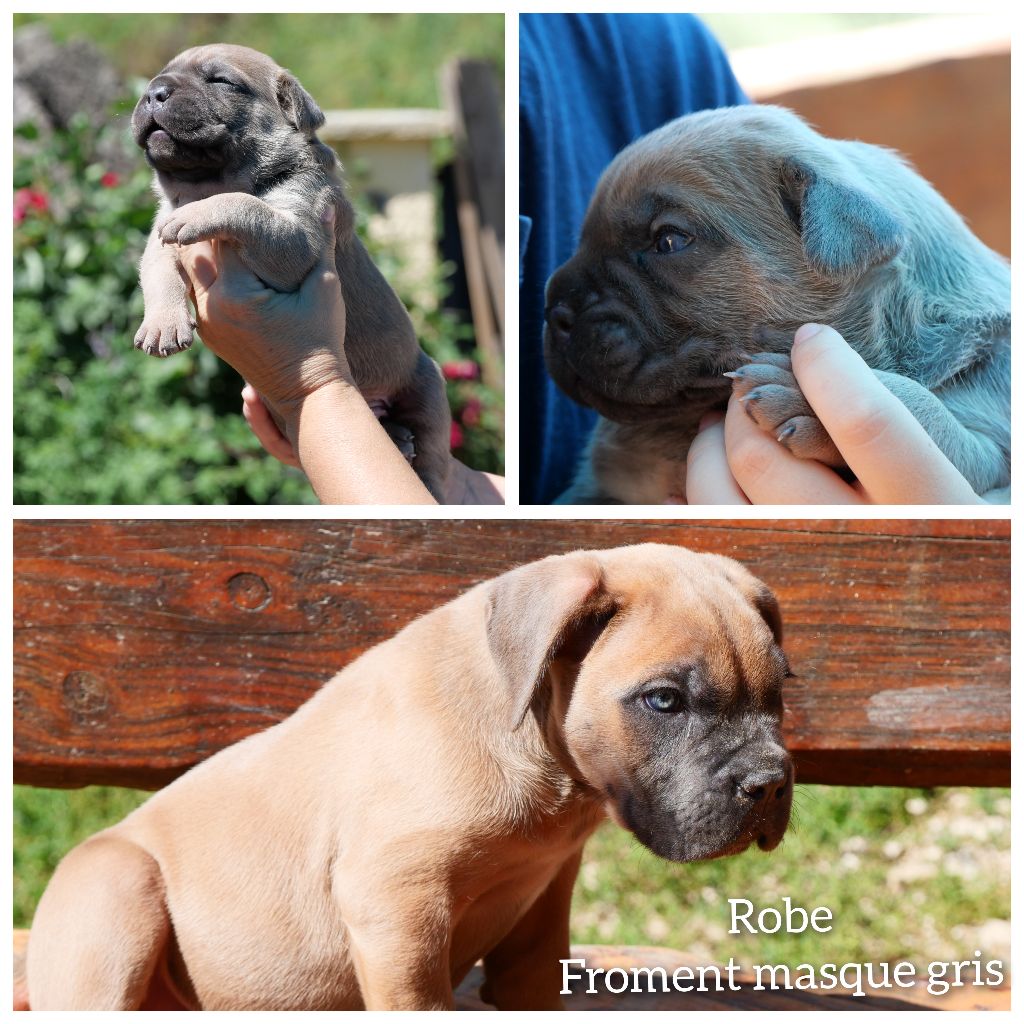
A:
x: 710, y: 241
x: 232, y: 139
x: 428, y: 807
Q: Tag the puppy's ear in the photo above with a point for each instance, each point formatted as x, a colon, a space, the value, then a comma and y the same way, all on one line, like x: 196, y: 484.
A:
x: 557, y: 607
x: 299, y: 107
x: 759, y: 594
x: 764, y: 600
x: 844, y: 231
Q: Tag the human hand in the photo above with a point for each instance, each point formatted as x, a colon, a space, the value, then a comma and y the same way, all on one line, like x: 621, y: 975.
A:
x: 262, y: 424
x: 465, y: 486
x: 285, y: 344
x: 732, y: 461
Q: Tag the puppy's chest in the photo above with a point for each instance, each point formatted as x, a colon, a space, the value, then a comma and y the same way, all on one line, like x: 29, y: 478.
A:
x: 494, y: 892
x: 637, y: 466
x: 178, y: 194
x: 485, y: 915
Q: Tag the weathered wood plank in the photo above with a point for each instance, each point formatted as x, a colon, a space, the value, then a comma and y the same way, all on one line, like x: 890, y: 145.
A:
x: 141, y: 648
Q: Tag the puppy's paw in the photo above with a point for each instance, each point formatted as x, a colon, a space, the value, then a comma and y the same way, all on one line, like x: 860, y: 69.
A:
x: 772, y: 398
x: 186, y: 225
x: 163, y: 335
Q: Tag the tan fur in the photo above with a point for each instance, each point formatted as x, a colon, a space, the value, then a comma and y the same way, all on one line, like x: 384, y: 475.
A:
x: 425, y: 808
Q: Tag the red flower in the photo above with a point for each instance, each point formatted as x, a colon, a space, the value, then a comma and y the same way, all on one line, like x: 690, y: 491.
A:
x: 462, y: 369
x: 26, y: 199
x: 110, y: 180
x: 457, y: 437
x: 471, y: 412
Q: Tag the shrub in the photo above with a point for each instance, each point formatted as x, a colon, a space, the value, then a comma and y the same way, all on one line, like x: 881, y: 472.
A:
x: 97, y: 422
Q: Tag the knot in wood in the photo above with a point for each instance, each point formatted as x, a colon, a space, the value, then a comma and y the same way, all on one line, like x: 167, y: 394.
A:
x: 86, y: 697
x: 249, y: 591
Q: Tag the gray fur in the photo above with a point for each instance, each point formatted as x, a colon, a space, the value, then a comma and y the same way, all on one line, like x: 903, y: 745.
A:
x: 789, y: 227
x: 236, y: 157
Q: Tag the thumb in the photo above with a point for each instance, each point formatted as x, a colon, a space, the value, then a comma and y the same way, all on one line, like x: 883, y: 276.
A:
x: 325, y: 274
x: 199, y: 264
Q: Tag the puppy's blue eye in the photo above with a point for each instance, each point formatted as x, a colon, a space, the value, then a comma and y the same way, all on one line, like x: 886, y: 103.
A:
x: 670, y: 240
x: 665, y: 701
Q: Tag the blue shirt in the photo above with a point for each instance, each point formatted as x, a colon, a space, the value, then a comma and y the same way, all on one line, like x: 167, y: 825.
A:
x: 589, y: 84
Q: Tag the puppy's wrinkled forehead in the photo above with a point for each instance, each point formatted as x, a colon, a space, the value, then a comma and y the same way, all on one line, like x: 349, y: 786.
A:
x: 701, y: 167
x: 258, y: 68
x: 688, y: 610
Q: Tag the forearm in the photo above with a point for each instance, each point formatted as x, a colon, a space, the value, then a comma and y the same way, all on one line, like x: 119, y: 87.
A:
x: 346, y: 454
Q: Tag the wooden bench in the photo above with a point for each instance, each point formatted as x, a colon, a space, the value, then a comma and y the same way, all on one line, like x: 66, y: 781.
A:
x: 141, y: 648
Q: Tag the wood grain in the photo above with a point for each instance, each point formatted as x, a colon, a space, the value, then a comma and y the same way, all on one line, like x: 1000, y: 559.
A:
x: 141, y: 648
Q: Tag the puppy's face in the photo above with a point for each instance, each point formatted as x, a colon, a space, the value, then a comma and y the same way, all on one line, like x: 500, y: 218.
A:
x: 694, y: 242
x: 663, y: 693
x: 218, y: 111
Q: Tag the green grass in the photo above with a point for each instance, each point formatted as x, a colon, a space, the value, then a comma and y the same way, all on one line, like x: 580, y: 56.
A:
x: 900, y: 885
x: 47, y: 823
x: 908, y: 874
x: 344, y: 60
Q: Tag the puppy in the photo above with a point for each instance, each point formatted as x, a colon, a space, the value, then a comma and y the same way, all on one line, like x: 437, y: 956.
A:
x: 428, y: 807
x: 232, y: 139
x: 718, y: 235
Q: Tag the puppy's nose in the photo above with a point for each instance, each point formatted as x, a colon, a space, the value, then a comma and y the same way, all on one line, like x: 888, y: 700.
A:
x: 158, y: 94
x: 560, y: 322
x: 765, y: 784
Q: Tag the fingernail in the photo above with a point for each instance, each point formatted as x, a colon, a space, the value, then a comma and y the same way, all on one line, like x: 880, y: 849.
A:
x: 788, y: 432
x: 807, y: 332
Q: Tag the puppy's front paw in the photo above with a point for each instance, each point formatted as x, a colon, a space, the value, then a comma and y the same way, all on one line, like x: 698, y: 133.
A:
x: 164, y: 334
x: 773, y: 400
x: 186, y: 225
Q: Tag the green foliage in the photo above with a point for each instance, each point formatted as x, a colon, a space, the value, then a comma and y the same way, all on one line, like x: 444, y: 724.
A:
x: 344, y: 60
x: 95, y: 421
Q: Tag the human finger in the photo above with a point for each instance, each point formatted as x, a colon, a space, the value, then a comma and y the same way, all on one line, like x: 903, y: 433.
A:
x: 262, y: 424
x: 769, y: 475
x: 709, y: 481
x: 891, y: 454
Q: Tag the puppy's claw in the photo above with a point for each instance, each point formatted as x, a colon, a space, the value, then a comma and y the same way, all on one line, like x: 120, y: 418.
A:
x: 733, y: 374
x: 162, y: 340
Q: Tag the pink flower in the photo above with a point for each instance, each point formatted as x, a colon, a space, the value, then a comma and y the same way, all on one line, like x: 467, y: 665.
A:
x: 26, y: 199
x: 457, y: 436
x: 110, y: 180
x: 471, y: 412
x: 461, y: 369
